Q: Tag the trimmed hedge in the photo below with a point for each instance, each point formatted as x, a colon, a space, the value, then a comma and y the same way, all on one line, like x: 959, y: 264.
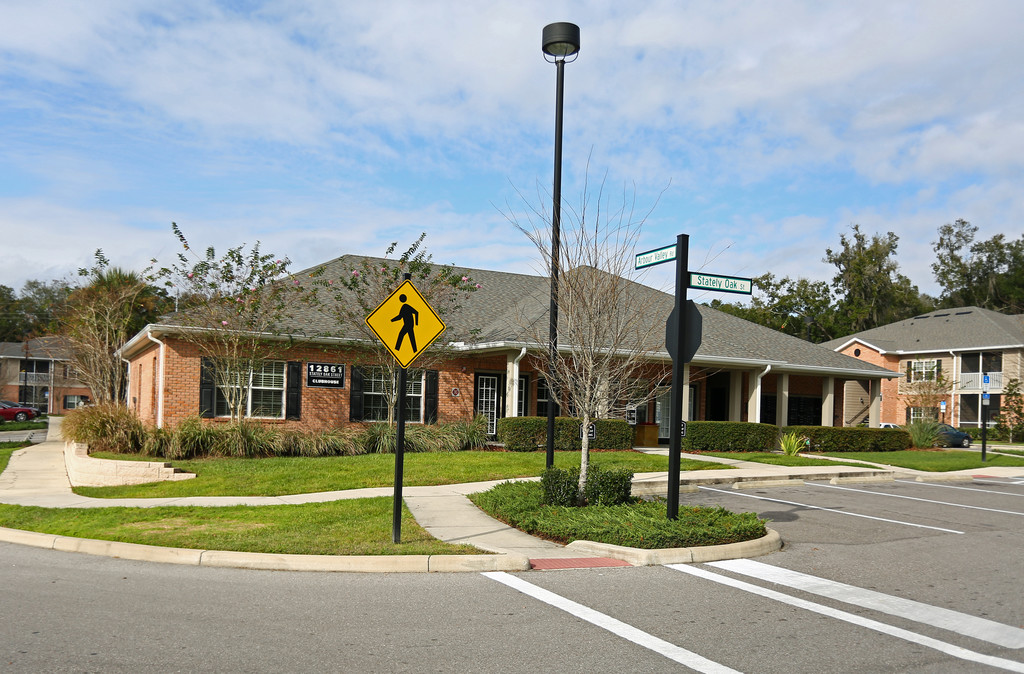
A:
x: 526, y: 434
x: 853, y: 439
x: 604, y: 487
x: 729, y: 436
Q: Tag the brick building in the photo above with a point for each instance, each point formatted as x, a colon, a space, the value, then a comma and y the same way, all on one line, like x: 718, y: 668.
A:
x: 957, y: 347
x: 741, y: 372
x: 36, y: 373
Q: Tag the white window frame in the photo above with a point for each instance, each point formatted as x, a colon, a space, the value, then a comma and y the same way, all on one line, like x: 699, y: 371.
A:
x: 924, y: 413
x: 373, y: 395
x: 257, y: 382
x: 923, y: 370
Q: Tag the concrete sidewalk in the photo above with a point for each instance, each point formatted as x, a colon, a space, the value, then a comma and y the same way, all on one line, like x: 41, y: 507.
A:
x: 36, y: 476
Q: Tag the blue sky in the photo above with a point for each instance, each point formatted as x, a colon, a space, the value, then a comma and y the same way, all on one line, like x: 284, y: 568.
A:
x: 333, y: 127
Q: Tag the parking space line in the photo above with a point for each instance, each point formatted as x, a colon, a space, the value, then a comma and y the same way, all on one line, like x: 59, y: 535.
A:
x: 915, y: 498
x: 950, y: 486
x: 832, y: 510
x: 1012, y: 482
x: 936, y: 616
x: 891, y: 630
x: 617, y: 627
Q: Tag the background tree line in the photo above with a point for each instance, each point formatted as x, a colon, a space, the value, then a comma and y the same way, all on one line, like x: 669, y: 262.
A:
x: 868, y: 289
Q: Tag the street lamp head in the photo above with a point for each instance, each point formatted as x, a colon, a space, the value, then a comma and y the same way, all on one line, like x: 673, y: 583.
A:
x: 561, y: 41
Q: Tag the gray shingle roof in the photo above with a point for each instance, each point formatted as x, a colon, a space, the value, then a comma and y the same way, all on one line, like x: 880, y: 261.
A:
x: 46, y: 348
x: 498, y: 311
x: 963, y: 329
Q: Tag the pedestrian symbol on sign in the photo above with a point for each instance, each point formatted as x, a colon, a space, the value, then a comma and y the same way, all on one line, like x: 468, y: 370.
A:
x: 409, y: 318
x: 405, y: 314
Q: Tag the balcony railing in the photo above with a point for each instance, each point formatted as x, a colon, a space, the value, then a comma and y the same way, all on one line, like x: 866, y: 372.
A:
x: 972, y: 381
x: 34, y: 378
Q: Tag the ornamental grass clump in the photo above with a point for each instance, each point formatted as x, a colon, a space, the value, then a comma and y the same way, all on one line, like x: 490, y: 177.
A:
x: 923, y: 433
x: 106, y: 427
x: 792, y: 443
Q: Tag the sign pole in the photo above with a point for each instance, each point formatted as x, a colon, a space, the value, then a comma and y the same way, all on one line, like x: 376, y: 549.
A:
x: 984, y: 413
x: 676, y: 417
x: 396, y: 514
x: 396, y: 511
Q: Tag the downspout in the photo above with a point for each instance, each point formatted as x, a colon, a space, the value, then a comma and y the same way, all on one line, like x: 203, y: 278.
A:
x: 515, y: 382
x: 127, y: 384
x: 160, y: 383
x: 757, y: 388
x: 952, y: 397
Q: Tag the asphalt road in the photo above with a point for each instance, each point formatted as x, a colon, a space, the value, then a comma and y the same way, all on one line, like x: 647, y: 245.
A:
x: 902, y: 577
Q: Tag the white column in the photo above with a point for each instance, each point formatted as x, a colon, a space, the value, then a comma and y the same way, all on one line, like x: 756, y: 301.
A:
x: 828, y: 401
x: 511, y: 385
x: 782, y: 400
x: 736, y: 395
x: 874, y: 413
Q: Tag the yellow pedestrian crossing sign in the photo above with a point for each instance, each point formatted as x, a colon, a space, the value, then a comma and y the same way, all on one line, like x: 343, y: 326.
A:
x: 405, y: 324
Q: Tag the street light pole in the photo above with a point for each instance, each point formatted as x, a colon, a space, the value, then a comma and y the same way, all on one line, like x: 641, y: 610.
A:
x: 561, y: 41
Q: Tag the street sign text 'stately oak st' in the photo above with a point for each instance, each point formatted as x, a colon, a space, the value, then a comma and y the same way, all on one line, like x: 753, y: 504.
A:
x: 406, y: 325
x: 682, y: 338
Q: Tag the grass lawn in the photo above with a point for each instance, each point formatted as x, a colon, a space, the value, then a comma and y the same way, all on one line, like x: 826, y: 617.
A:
x: 300, y: 475
x: 6, y: 449
x: 351, y: 527
x: 779, y: 459
x: 23, y: 425
x: 930, y: 460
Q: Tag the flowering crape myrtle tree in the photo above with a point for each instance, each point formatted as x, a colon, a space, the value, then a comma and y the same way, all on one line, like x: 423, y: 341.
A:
x: 233, y: 310
x: 603, y: 365
x: 353, y: 295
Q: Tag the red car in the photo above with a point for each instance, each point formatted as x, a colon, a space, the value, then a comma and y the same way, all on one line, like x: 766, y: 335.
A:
x: 14, y: 412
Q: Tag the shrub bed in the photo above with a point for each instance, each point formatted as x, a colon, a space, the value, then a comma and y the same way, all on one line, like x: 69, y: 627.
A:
x: 637, y: 525
x: 853, y: 439
x: 527, y: 434
x: 729, y: 436
x: 116, y: 429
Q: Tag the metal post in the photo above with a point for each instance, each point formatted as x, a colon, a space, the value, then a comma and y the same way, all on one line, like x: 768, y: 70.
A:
x: 396, y: 511
x: 556, y: 222
x: 675, y: 442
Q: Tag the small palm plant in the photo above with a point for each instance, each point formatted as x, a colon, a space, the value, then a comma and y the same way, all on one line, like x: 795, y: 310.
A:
x: 923, y: 433
x: 792, y: 443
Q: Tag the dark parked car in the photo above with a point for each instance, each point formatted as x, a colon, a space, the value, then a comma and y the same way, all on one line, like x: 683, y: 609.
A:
x: 951, y: 437
x: 14, y: 412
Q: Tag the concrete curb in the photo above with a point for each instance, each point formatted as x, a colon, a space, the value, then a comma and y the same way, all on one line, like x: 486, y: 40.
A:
x: 769, y: 543
x: 268, y: 561
x: 944, y: 478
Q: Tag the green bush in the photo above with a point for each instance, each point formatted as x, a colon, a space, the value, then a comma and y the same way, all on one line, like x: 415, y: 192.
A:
x: 608, y: 487
x: 560, y: 487
x: 729, y: 436
x: 109, y: 428
x: 603, y: 487
x: 639, y: 525
x: 527, y: 434
x: 853, y: 438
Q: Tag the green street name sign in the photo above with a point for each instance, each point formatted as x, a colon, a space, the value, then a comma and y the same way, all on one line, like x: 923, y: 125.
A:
x: 725, y: 284
x: 653, y: 257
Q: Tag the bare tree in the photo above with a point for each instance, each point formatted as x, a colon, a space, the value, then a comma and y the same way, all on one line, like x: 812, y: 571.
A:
x: 349, y: 297
x: 604, y: 364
